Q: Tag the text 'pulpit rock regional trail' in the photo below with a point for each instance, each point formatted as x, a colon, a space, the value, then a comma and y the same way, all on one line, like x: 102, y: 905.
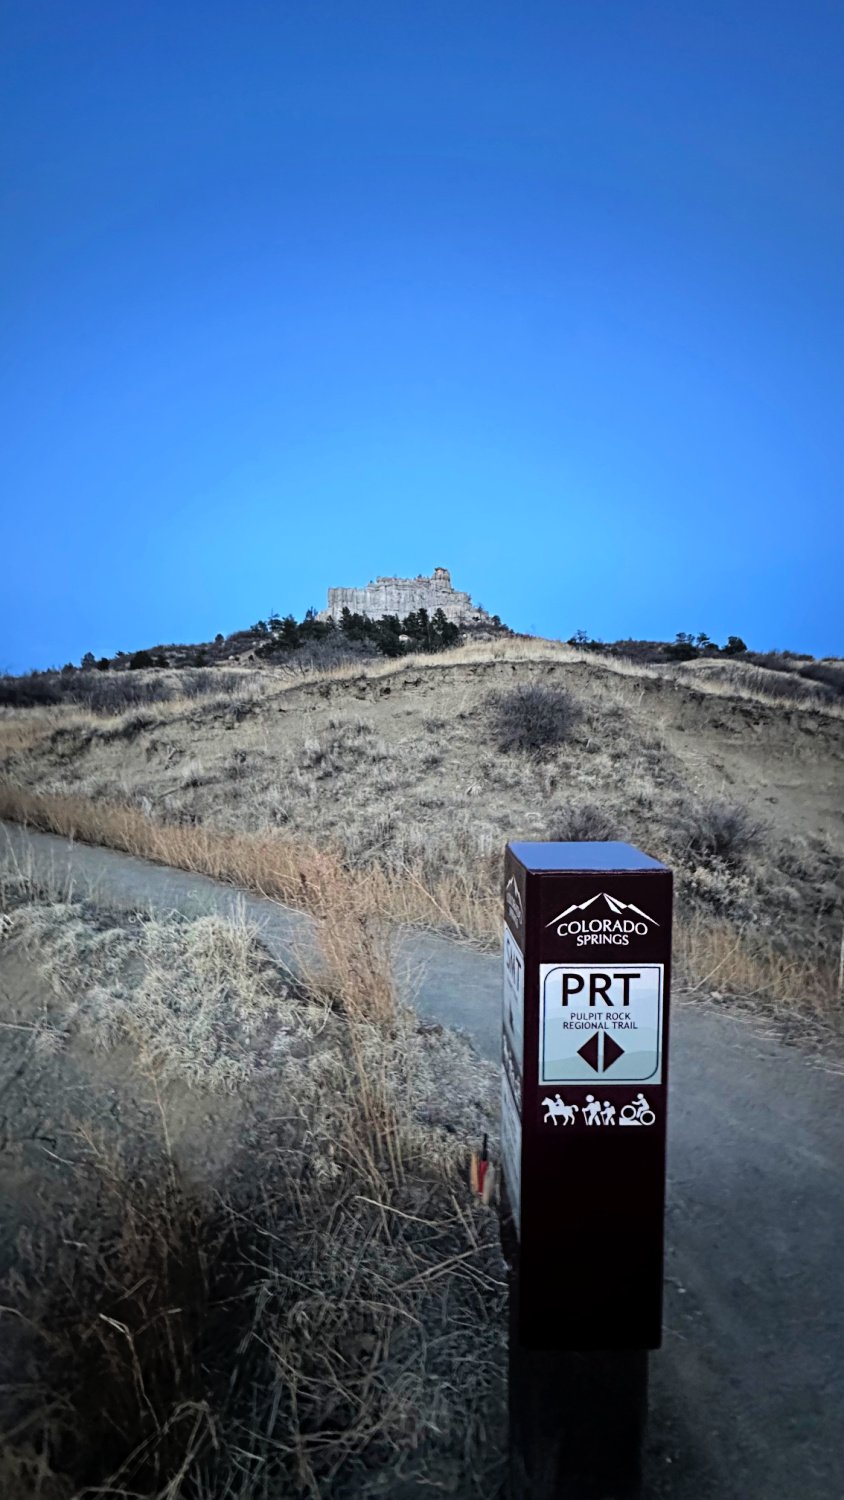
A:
x: 587, y: 956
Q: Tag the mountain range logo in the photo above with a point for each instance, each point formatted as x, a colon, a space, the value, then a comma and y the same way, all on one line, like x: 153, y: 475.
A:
x: 612, y: 904
x: 513, y: 898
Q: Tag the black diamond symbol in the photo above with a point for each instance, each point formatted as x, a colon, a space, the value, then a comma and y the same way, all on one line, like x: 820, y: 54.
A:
x: 589, y: 1051
x: 600, y: 1052
x: 612, y: 1052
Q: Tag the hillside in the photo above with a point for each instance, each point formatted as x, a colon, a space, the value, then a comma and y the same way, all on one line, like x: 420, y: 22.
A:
x: 395, y: 770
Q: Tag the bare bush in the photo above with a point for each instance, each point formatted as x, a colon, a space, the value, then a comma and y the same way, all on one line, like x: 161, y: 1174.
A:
x: 711, y: 830
x: 334, y: 651
x: 793, y: 687
x: 199, y: 682
x: 531, y: 718
x: 127, y: 726
x: 116, y: 692
x: 587, y: 821
x: 35, y: 690
x: 824, y: 672
x: 775, y: 661
x: 345, y: 745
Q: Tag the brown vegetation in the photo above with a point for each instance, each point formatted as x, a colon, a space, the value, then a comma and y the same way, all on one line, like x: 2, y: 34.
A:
x: 321, y: 1311
x: 387, y: 777
x: 712, y: 952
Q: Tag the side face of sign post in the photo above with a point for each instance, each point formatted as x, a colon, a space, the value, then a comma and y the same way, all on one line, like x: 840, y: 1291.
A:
x: 587, y: 955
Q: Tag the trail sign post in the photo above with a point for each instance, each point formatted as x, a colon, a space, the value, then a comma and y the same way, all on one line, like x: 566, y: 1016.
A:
x: 587, y: 957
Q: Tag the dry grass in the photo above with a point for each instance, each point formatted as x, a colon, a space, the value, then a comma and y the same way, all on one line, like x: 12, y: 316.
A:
x: 191, y: 998
x: 354, y: 948
x: 473, y: 653
x: 288, y: 870
x: 329, y: 1324
x: 717, y: 958
x: 235, y: 692
x: 292, y: 1342
x: 273, y: 866
x: 332, y: 1320
x: 753, y: 684
x: 22, y: 732
x: 735, y: 956
x: 734, y: 679
x: 248, y: 690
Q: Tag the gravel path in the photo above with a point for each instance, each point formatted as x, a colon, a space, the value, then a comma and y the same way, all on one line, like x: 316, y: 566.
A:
x: 748, y: 1391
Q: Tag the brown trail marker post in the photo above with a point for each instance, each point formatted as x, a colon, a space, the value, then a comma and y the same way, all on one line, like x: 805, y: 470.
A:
x: 587, y: 956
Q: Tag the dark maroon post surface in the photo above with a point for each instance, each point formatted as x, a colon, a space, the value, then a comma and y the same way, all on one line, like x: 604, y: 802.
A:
x: 587, y: 956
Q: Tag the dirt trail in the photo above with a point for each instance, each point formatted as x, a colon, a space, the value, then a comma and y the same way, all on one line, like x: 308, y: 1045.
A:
x: 748, y: 1390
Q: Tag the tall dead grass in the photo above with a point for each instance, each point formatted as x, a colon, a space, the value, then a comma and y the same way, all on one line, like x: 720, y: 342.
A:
x: 464, y: 902
x: 288, y: 870
x: 22, y: 731
x: 717, y: 957
x: 334, y: 1320
x: 754, y: 684
x: 293, y: 1339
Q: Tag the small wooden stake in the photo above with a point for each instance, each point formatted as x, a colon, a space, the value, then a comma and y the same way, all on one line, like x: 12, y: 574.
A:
x: 473, y: 1172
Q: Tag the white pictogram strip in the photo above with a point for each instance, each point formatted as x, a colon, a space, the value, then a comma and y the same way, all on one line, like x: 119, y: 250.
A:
x: 595, y: 1112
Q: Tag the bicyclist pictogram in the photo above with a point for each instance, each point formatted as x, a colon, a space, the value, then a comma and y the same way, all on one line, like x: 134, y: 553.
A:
x: 637, y: 1113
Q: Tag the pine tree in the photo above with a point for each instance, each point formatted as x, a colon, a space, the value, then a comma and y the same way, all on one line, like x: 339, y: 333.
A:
x: 289, y: 633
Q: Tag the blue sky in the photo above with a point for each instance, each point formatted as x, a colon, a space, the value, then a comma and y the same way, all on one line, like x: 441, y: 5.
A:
x: 296, y: 294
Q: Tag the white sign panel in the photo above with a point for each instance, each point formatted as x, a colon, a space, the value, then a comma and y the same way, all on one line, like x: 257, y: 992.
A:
x: 514, y: 996
x: 511, y: 1147
x: 600, y: 1023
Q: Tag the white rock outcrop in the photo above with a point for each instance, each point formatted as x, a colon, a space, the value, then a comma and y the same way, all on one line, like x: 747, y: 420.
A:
x: 404, y: 596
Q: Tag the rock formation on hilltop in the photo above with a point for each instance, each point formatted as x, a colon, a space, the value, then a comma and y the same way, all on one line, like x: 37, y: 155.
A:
x: 404, y: 596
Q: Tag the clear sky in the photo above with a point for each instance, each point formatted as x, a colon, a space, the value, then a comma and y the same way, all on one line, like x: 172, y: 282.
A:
x: 546, y: 292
